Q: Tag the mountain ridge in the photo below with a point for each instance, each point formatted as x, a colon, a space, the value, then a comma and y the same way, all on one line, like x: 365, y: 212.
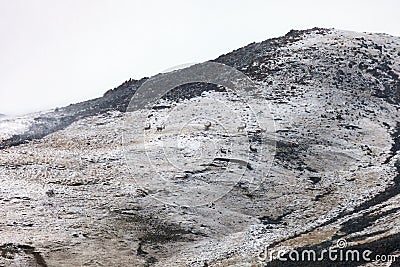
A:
x: 118, y: 98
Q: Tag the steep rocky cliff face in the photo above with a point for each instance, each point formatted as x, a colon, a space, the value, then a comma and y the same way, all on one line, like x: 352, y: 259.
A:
x: 71, y: 198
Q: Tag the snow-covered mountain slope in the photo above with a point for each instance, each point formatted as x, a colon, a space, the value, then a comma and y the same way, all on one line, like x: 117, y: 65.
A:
x: 71, y: 196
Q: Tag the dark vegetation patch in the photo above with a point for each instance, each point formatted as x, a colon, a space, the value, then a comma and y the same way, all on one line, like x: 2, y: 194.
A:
x: 314, y: 179
x: 154, y: 234
x: 274, y: 220
x: 245, y: 56
x: 155, y: 230
x: 191, y: 90
x: 358, y: 224
x: 12, y: 251
x: 290, y: 154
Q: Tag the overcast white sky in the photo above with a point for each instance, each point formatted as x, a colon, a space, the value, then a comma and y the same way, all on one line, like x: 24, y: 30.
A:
x: 55, y: 52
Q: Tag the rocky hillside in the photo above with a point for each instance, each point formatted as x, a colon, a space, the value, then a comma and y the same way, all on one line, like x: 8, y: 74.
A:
x: 71, y: 197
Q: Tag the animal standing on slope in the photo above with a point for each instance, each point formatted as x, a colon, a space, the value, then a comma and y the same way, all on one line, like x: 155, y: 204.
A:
x: 253, y: 148
x: 241, y: 127
x: 160, y: 128
x: 207, y: 126
x: 225, y: 150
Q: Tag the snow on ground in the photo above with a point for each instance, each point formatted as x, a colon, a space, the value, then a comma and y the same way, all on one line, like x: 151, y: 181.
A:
x: 12, y: 125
